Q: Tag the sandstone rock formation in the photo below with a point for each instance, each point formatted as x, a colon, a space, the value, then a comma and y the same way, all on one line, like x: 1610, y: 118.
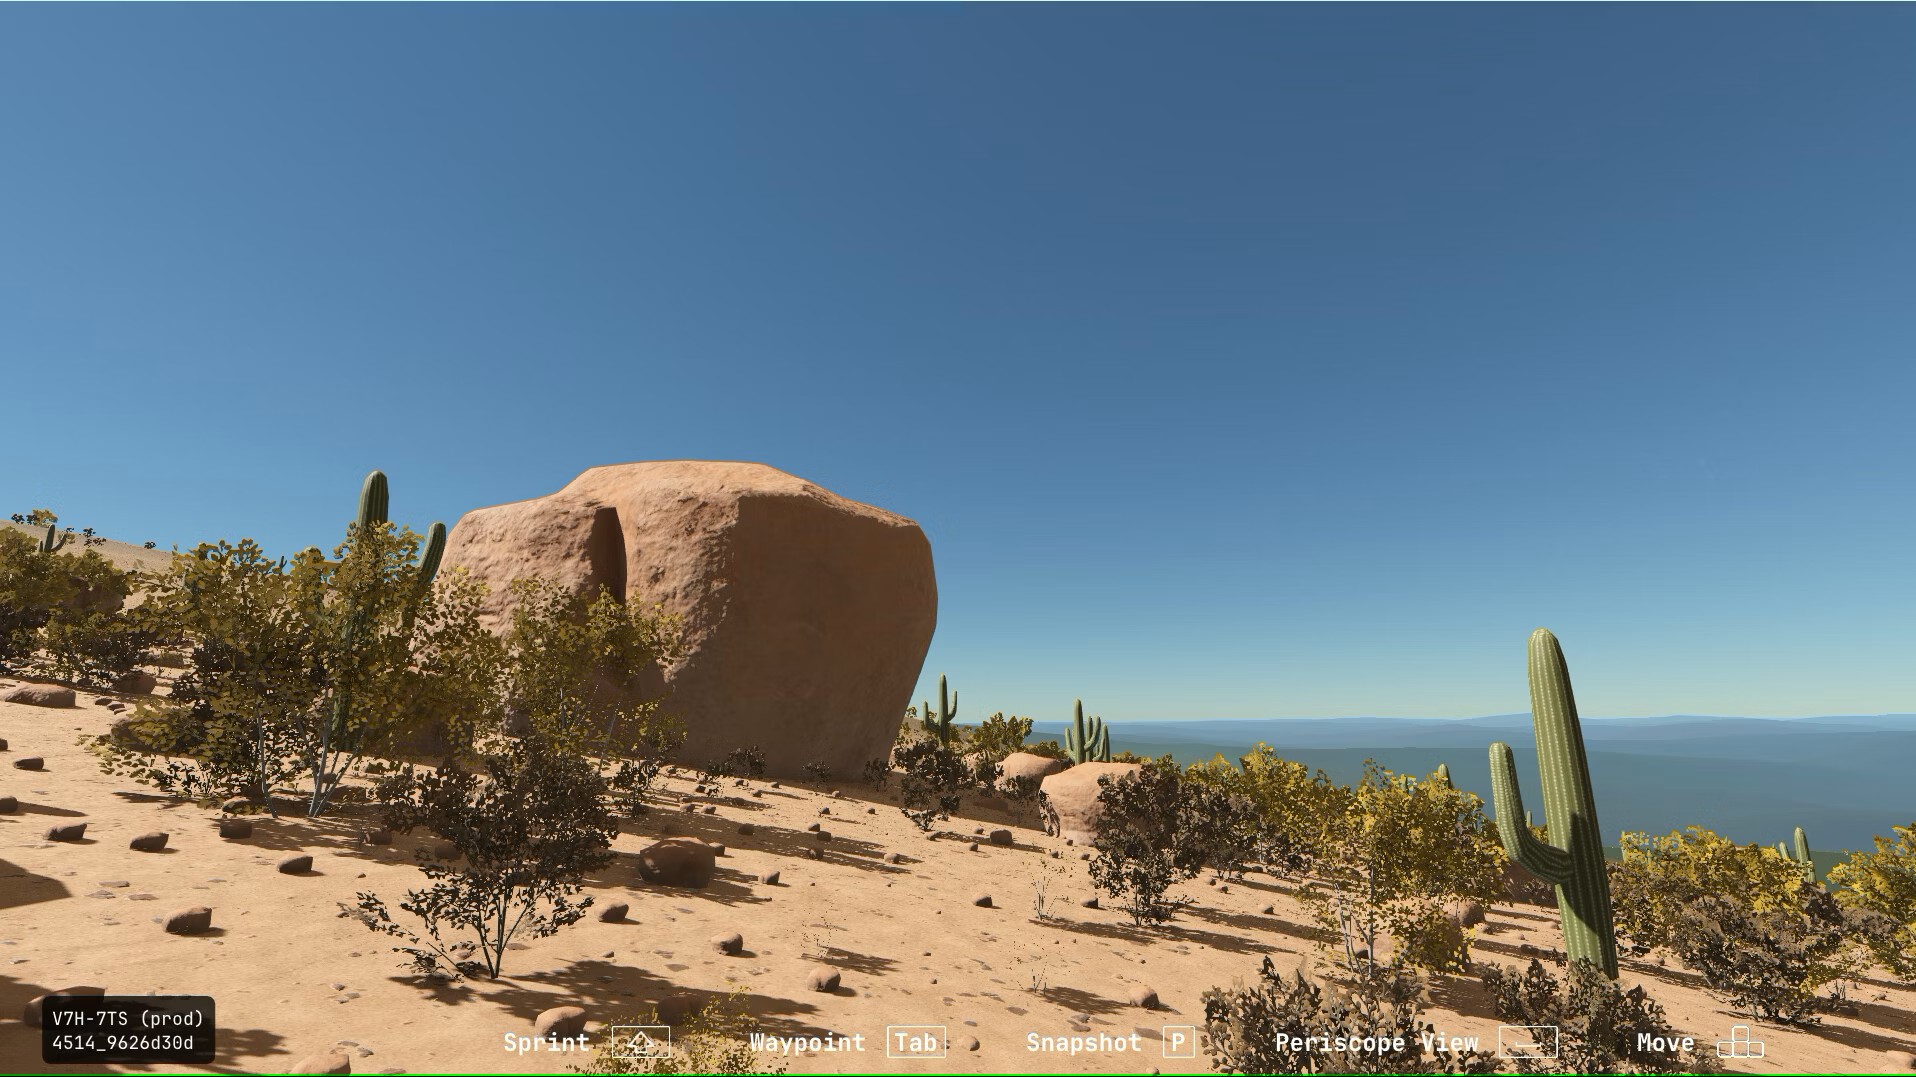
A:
x: 1070, y: 799
x: 806, y: 615
x: 1034, y: 767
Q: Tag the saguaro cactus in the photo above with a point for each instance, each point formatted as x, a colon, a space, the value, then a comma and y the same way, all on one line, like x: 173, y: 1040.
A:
x: 1443, y: 776
x: 1801, y: 854
x: 939, y: 722
x: 1572, y: 859
x: 1087, y: 742
x: 48, y: 544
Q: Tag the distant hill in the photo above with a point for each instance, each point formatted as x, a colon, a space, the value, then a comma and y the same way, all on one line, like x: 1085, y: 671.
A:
x: 1843, y: 778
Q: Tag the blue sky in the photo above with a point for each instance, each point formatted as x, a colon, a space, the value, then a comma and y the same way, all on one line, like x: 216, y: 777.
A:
x: 1239, y: 362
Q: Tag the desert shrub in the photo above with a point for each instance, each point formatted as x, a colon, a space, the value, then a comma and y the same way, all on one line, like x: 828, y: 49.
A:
x: 1767, y: 964
x: 529, y: 829
x: 1392, y: 852
x: 1022, y: 791
x: 1050, y: 749
x: 96, y: 648
x: 1292, y: 803
x: 1226, y: 825
x: 1372, y: 1026
x: 998, y: 736
x: 932, y: 781
x: 574, y: 663
x: 1602, y: 1028
x: 819, y: 770
x: 878, y: 772
x: 1765, y: 939
x: 1143, y: 844
x: 712, y: 1040
x: 62, y: 612
x: 1884, y: 882
x: 739, y: 762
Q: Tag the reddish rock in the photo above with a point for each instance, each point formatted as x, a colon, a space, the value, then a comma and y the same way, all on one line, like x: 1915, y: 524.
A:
x: 1025, y: 765
x: 297, y: 864
x: 1143, y: 997
x: 678, y: 862
x: 189, y: 921
x: 614, y: 912
x: 823, y: 979
x: 149, y: 843
x: 806, y: 615
x: 1070, y: 799
x: 137, y: 683
x: 728, y: 943
x: 30, y: 762
x: 236, y: 828
x: 66, y: 832
x: 325, y: 1062
x: 561, y: 1021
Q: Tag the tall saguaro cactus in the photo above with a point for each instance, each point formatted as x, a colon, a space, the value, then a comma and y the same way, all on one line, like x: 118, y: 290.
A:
x: 939, y: 722
x: 1572, y: 859
x: 1442, y: 775
x: 1087, y: 743
x: 48, y: 544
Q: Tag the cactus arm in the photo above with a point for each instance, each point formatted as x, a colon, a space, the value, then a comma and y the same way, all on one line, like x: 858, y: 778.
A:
x: 1546, y: 862
x: 429, y: 557
x: 1443, y: 775
x: 48, y: 544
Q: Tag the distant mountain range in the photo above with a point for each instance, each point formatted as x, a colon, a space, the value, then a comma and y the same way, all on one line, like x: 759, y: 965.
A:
x: 1842, y: 778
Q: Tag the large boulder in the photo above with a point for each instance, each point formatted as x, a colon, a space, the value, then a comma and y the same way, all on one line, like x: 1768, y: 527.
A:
x: 52, y: 695
x: 1070, y: 799
x: 806, y: 616
x: 1026, y: 765
x: 678, y: 862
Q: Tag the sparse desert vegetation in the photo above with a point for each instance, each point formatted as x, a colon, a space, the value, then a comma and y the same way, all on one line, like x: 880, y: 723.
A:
x: 369, y: 741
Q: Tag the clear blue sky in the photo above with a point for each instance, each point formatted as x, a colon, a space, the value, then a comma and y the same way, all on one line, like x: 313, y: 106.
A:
x: 1238, y: 362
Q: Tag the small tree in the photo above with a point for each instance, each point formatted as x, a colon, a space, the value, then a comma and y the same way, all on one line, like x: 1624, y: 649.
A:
x: 1144, y: 841
x: 1292, y: 804
x: 1391, y: 856
x: 1884, y: 882
x: 529, y: 830
x: 998, y: 736
x: 1300, y: 1026
x: 1602, y: 1028
x: 1226, y: 826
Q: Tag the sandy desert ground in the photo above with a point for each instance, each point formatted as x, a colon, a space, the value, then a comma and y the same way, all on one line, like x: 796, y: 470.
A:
x: 293, y: 978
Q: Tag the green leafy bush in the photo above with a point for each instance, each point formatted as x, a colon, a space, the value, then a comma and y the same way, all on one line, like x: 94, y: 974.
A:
x: 933, y: 779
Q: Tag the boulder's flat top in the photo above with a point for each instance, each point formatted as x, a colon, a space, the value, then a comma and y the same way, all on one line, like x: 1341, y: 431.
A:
x: 293, y: 978
x: 712, y: 478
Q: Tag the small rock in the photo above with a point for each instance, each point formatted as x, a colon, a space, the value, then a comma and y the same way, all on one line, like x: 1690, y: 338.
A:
x: 894, y: 858
x: 825, y: 980
x: 137, y: 683
x: 1143, y: 997
x: 1084, y: 856
x: 66, y: 832
x: 149, y: 843
x: 9, y: 805
x: 39, y: 695
x: 813, y: 828
x: 774, y: 785
x: 679, y: 1007
x: 1001, y: 837
x: 298, y: 864
x: 614, y: 912
x: 824, y: 811
x: 730, y: 942
x: 822, y: 835
x: 971, y: 846
x: 971, y: 1043
x: 561, y: 1021
x: 718, y: 848
x: 30, y: 762
x: 758, y: 793
x: 326, y: 1062
x: 236, y: 828
x: 983, y: 901
x: 1464, y: 913
x: 189, y: 921
x: 747, y: 829
x: 1269, y: 910
x: 868, y: 811
x: 770, y: 878
x: 711, y: 809
x: 377, y: 836
x: 236, y: 805
x: 444, y: 850
x: 1089, y: 903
